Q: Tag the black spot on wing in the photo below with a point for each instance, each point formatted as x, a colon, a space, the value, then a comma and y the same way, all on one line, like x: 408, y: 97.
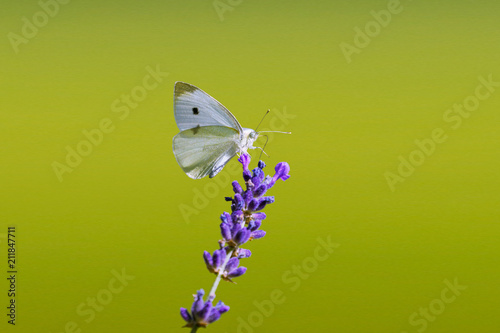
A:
x: 195, y: 129
x: 195, y: 111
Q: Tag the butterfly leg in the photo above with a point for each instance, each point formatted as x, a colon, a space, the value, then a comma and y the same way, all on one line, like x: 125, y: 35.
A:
x: 262, y: 151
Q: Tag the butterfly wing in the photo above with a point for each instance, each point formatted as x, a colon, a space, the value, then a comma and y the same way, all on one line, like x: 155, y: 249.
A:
x: 203, y: 151
x: 193, y: 107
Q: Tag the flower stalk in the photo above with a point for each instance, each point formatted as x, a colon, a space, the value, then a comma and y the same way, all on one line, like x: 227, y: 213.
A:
x: 237, y: 228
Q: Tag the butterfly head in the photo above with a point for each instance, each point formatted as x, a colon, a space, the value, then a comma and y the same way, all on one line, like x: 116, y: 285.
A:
x: 248, y: 138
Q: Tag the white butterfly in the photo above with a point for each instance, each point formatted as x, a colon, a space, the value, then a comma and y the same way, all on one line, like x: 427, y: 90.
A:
x: 210, y: 135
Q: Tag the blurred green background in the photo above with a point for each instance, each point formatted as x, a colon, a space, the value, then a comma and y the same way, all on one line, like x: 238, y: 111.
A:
x: 355, y: 92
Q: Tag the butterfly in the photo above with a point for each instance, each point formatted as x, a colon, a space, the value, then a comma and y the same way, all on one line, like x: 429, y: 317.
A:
x: 209, y: 135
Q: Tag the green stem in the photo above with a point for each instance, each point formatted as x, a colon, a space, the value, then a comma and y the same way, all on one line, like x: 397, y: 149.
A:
x: 219, y: 276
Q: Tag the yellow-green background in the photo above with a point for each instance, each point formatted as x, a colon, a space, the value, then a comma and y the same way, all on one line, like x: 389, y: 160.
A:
x: 120, y: 207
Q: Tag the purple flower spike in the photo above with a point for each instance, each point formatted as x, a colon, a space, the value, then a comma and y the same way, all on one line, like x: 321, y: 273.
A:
x: 238, y: 227
x: 203, y: 313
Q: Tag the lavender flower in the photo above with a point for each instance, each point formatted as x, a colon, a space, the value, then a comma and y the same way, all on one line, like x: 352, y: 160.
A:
x: 237, y: 228
x: 215, y: 265
x: 203, y: 313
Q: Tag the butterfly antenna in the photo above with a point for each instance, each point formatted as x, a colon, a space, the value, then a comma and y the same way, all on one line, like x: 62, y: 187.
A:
x: 275, y: 132
x: 262, y: 119
x: 262, y: 149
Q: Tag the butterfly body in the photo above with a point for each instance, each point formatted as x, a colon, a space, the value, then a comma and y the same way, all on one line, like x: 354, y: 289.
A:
x: 209, y: 134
